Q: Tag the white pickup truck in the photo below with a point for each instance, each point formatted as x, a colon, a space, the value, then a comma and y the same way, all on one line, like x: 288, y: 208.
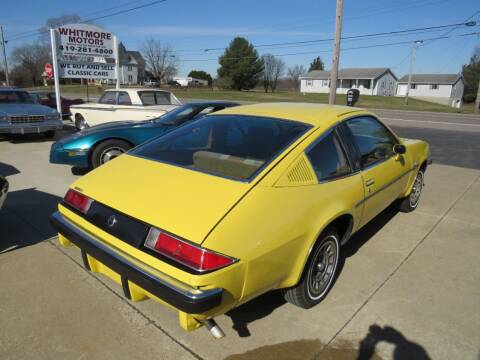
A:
x: 124, y: 104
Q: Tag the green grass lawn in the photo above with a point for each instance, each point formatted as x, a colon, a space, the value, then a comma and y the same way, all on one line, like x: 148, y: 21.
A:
x: 377, y: 102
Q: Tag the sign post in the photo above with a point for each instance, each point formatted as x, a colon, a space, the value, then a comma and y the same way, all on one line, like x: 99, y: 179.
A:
x: 56, y: 74
x: 117, y: 62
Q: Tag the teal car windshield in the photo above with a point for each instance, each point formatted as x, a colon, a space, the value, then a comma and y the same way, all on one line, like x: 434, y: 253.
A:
x: 177, y: 115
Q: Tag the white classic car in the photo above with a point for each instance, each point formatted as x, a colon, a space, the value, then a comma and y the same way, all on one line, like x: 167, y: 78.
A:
x: 122, y: 105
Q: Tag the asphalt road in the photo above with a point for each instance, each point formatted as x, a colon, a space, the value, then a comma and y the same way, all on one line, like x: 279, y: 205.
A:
x: 454, y: 138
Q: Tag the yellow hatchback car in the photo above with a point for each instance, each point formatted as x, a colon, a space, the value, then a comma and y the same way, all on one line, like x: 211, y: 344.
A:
x: 246, y: 200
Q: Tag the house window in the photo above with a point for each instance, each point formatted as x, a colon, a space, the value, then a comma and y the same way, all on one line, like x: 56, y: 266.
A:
x: 130, y: 78
x: 348, y: 83
x: 413, y: 86
x: 325, y: 83
x: 309, y: 83
x: 364, y: 83
x: 434, y: 86
x: 129, y: 67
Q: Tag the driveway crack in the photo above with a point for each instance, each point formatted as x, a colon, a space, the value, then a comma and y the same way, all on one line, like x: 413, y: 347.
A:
x: 435, y: 225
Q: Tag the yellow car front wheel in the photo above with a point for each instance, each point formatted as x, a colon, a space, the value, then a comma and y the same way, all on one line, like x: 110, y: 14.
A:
x: 319, y: 273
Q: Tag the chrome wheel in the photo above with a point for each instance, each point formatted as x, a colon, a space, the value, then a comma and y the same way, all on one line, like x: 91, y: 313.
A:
x: 80, y: 122
x: 416, y: 190
x: 323, y: 268
x: 110, y: 153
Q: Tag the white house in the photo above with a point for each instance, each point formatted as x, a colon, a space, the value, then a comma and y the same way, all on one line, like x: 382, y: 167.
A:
x: 445, y: 89
x: 132, y: 67
x: 370, y: 81
x: 190, y: 81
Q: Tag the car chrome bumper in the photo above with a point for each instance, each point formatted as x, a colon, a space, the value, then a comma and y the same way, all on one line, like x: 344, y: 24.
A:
x: 179, y: 295
x: 30, y: 128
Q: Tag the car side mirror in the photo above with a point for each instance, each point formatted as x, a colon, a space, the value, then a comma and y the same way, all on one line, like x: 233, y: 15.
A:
x: 399, y: 149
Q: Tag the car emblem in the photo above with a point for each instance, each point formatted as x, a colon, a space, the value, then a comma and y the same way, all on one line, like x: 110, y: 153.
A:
x: 112, y: 220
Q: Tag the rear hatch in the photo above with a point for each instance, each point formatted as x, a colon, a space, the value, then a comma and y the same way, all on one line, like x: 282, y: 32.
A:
x: 181, y: 201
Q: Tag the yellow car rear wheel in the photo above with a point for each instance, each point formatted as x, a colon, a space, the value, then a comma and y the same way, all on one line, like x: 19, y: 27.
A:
x: 319, y: 273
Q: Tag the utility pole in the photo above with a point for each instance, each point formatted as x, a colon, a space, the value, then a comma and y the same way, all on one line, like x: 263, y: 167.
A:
x: 336, y: 54
x: 477, y: 101
x: 412, y: 65
x: 5, y: 64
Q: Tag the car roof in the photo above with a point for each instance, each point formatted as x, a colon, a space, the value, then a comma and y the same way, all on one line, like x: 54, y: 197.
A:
x: 314, y: 114
x: 212, y: 102
x: 137, y: 89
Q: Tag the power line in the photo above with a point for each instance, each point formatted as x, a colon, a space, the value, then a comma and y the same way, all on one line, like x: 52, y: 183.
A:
x: 456, y: 27
x: 352, y: 37
x: 327, y: 51
x: 36, y: 31
x: 198, y: 52
x: 97, y: 18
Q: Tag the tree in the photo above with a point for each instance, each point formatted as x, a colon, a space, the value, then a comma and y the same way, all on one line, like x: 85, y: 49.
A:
x: 160, y: 60
x: 471, y: 75
x: 240, y: 66
x: 202, y: 75
x: 29, y: 61
x: 51, y: 23
x: 317, y: 64
x: 294, y: 73
x: 274, y: 68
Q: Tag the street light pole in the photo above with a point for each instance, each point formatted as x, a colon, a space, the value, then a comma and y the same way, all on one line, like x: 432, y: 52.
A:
x: 5, y: 63
x: 412, y: 65
x: 336, y: 53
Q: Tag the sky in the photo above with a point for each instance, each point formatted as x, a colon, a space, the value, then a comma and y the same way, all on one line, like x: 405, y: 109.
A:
x: 191, y: 26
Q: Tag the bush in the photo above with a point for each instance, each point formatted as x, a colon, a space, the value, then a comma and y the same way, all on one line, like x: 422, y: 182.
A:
x: 469, y: 98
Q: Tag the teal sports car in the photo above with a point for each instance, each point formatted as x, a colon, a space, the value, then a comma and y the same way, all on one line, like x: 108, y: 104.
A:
x: 95, y: 146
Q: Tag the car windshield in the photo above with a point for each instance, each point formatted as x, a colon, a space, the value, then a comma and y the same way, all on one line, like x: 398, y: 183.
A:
x: 178, y: 115
x: 231, y: 146
x: 15, y: 97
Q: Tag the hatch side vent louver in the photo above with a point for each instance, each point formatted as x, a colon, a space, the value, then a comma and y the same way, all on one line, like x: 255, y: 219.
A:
x: 300, y: 172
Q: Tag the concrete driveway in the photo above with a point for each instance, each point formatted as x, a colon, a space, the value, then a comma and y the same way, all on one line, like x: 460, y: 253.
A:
x: 409, y: 286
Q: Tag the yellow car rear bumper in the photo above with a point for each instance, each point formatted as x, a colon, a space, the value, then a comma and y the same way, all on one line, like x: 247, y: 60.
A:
x: 139, y: 280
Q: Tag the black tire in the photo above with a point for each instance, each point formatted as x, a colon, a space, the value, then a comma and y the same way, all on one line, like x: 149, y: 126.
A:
x: 410, y: 203
x: 50, y: 134
x: 304, y: 294
x: 108, y: 150
x: 80, y: 122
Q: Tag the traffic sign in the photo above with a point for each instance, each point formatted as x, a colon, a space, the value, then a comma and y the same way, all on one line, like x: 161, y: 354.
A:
x: 49, y: 70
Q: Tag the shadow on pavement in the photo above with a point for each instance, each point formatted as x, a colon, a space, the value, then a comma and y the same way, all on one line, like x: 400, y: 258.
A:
x: 341, y: 350
x: 368, y: 231
x: 24, y: 218
x: 8, y: 170
x: 264, y: 305
x: 255, y: 309
x: 404, y: 348
x: 77, y: 171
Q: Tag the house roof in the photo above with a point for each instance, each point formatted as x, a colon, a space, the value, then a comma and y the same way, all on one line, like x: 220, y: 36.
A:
x: 444, y: 79
x: 137, y: 56
x: 349, y: 73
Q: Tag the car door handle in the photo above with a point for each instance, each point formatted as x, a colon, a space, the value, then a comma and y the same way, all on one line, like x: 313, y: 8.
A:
x: 369, y: 182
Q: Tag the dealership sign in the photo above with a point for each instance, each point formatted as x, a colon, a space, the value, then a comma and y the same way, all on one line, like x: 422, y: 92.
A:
x: 87, y: 71
x: 83, y: 41
x: 83, y: 51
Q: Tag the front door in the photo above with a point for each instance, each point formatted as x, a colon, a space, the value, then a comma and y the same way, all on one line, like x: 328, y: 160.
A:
x: 383, y: 171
